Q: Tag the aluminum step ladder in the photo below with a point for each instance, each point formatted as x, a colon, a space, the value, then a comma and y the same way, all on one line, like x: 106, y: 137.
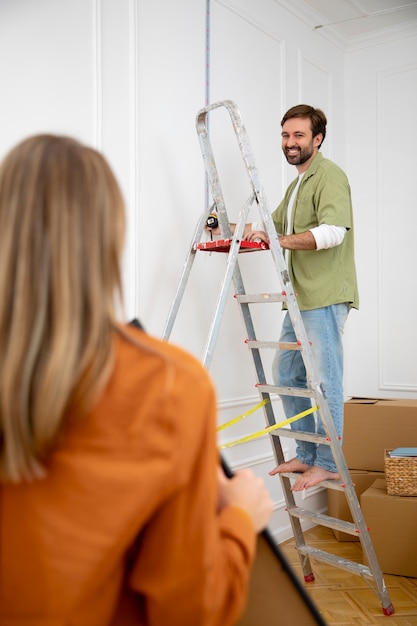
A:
x: 233, y: 245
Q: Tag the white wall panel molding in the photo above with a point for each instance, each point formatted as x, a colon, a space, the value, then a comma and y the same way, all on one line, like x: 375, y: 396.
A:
x: 314, y: 75
x: 171, y: 89
x: 315, y: 87
x: 397, y: 254
x: 395, y: 33
x: 249, y: 35
x: 261, y: 441
x: 241, y: 401
x: 48, y: 81
x: 133, y: 305
x: 311, y: 18
x: 116, y: 108
x: 97, y: 63
x: 280, y: 528
x: 253, y: 460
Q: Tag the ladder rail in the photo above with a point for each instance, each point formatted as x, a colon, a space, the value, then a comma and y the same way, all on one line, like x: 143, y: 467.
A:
x: 314, y: 389
x: 232, y: 274
x: 186, y: 270
x: 214, y: 181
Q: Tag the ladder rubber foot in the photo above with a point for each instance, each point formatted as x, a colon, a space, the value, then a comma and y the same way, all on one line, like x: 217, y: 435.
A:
x: 389, y: 610
x: 309, y: 578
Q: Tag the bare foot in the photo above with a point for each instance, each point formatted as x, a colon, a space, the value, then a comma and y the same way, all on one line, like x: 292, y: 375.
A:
x: 313, y: 476
x: 294, y: 465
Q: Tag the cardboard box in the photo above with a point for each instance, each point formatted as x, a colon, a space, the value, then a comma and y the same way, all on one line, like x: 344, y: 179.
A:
x: 337, y: 505
x: 372, y: 425
x: 392, y: 522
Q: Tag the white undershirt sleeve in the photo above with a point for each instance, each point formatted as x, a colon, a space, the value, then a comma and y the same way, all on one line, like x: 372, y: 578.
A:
x: 328, y: 236
x: 258, y: 226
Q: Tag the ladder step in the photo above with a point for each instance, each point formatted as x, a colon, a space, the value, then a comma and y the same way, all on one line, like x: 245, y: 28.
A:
x: 324, y: 520
x: 336, y: 561
x: 300, y: 434
x: 277, y: 345
x: 261, y: 297
x: 286, y: 391
x: 336, y: 485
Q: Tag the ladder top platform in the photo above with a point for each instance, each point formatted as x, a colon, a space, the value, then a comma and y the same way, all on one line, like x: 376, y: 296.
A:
x: 223, y: 245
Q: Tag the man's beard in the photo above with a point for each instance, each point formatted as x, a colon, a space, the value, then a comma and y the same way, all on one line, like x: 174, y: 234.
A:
x: 302, y: 155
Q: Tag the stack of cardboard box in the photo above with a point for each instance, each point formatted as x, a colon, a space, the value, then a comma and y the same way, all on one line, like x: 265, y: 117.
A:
x: 372, y: 426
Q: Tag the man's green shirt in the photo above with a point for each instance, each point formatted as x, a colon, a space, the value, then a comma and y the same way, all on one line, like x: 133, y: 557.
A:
x: 321, y: 277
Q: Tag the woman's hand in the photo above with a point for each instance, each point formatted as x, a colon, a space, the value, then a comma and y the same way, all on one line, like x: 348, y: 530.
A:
x: 247, y: 491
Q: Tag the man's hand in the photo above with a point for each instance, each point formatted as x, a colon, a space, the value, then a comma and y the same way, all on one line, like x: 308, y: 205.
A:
x: 254, y: 235
x: 248, y: 233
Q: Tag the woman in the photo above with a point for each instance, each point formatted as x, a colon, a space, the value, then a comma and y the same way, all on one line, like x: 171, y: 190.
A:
x: 113, y: 508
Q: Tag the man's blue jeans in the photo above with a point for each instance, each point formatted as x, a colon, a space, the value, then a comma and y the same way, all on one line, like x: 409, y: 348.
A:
x: 324, y: 328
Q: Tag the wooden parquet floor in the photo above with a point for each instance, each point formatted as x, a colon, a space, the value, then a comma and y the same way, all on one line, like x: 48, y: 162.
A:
x: 345, y: 599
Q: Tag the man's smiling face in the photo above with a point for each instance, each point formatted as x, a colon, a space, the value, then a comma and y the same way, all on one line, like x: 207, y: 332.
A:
x: 298, y: 143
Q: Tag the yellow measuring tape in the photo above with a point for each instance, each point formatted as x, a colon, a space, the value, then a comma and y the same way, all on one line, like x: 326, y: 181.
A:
x: 241, y: 417
x: 266, y: 430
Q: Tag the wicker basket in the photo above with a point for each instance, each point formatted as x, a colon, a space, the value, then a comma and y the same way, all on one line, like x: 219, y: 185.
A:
x: 400, y: 475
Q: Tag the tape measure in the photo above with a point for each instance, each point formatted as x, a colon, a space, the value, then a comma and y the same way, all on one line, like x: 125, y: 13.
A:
x: 212, y: 221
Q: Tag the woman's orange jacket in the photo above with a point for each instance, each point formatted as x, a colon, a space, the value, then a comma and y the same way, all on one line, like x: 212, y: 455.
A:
x: 124, y: 528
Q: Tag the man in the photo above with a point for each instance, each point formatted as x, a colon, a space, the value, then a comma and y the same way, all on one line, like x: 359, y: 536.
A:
x: 316, y: 222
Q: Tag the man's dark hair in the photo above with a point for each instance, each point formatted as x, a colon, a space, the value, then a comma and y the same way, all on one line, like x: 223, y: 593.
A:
x: 316, y: 116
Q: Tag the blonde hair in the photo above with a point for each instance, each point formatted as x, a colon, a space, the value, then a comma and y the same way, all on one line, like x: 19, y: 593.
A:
x: 61, y: 234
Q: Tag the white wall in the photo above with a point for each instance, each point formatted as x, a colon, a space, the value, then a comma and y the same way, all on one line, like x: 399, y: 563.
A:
x: 129, y: 76
x: 381, y: 96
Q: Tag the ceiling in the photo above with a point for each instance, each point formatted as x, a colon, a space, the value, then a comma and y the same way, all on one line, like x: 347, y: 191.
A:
x: 355, y: 23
